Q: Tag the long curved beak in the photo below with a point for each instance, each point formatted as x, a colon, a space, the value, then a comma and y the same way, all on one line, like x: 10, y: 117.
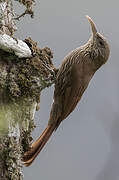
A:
x: 94, y: 30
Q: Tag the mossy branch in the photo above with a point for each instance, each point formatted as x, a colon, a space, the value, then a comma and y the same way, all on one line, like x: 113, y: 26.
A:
x: 25, y: 70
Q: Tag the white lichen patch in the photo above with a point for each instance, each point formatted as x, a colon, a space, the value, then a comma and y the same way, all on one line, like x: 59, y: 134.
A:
x: 17, y: 47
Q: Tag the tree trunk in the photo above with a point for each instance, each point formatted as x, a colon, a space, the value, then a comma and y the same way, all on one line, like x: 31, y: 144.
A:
x: 25, y: 70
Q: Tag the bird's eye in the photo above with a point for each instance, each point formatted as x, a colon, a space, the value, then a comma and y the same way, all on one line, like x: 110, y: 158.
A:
x: 101, y: 43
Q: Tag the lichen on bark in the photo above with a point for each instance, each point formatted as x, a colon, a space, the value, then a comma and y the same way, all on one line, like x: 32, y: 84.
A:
x: 21, y: 83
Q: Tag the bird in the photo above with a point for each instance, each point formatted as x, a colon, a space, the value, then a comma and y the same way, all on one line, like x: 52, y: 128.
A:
x: 73, y: 77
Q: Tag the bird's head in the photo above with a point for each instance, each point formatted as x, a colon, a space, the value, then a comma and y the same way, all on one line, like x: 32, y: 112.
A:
x: 99, y: 47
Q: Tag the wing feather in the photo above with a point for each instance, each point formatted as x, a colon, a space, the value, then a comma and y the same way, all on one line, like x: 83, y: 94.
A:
x: 69, y: 88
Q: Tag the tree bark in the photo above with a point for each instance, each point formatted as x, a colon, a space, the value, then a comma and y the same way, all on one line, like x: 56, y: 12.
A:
x: 25, y: 70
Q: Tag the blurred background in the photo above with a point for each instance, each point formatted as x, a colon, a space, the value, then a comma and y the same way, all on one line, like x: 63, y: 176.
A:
x: 86, y: 145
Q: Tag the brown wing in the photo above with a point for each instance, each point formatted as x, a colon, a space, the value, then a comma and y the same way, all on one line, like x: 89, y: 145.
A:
x: 68, y: 91
x: 69, y: 87
x: 63, y: 80
x: 74, y: 93
x: 62, y: 87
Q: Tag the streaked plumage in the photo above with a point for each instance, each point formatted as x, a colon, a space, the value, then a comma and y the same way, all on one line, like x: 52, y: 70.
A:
x: 73, y: 77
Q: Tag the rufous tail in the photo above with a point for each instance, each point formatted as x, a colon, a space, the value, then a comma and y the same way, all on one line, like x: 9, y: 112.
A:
x: 37, y: 146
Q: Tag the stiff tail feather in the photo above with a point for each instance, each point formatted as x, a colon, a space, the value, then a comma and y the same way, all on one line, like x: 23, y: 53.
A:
x: 37, y: 146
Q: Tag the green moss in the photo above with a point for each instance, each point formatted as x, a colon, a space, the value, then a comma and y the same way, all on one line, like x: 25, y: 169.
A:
x: 21, y: 83
x: 27, y: 77
x: 10, y: 151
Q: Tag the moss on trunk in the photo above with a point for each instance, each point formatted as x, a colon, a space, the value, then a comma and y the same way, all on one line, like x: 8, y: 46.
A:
x: 21, y: 83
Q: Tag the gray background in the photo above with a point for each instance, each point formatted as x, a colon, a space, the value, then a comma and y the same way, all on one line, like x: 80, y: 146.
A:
x: 86, y: 145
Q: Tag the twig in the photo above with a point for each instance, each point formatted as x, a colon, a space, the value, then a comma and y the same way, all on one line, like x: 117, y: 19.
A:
x: 26, y: 12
